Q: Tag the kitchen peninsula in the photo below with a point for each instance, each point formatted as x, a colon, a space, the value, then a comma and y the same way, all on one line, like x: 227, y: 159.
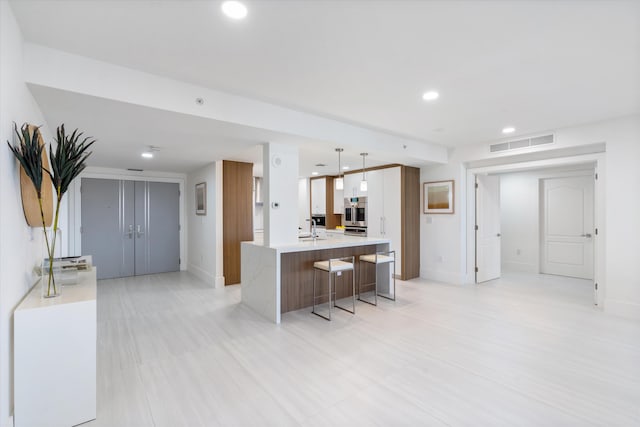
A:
x: 279, y: 279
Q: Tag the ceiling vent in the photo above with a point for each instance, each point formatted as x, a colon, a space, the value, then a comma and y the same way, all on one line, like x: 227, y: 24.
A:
x: 521, y: 143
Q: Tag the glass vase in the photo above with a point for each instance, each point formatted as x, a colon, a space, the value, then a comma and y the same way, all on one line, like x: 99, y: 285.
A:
x: 51, y: 270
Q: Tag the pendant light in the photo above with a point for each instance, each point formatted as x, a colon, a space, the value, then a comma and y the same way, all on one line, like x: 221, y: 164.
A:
x: 363, y: 183
x: 339, y: 180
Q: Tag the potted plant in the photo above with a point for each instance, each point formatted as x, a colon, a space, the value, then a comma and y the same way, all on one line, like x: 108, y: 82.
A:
x: 67, y: 162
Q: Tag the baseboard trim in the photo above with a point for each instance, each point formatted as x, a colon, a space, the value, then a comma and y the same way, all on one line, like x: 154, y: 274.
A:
x: 624, y: 309
x: 219, y: 282
x: 443, y: 276
x: 202, y: 275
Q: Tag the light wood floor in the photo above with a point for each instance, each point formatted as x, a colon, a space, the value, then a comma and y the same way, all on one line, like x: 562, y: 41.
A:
x: 524, y: 350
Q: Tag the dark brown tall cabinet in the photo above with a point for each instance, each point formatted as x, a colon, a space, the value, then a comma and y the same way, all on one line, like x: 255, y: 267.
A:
x: 410, y: 200
x: 237, y: 215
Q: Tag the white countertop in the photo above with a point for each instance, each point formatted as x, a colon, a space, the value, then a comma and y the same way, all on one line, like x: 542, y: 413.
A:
x: 331, y: 241
x: 84, y: 290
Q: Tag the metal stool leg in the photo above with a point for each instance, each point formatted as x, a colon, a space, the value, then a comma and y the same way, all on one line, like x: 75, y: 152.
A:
x: 375, y: 291
x: 314, y: 291
x: 329, y: 279
x: 353, y: 283
x: 314, y: 298
x: 393, y: 298
x: 359, y: 276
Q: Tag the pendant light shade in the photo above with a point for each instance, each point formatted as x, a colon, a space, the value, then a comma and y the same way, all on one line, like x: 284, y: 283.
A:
x: 363, y: 183
x: 339, y: 180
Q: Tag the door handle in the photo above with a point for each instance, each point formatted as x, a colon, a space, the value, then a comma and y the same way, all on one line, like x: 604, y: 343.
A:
x: 498, y: 235
x: 587, y: 235
x: 139, y: 232
x: 130, y: 232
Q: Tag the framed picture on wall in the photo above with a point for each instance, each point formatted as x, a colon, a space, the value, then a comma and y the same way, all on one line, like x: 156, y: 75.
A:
x: 201, y: 198
x: 438, y: 197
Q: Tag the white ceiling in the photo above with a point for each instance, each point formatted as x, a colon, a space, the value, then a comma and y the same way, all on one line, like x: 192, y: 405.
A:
x: 536, y: 65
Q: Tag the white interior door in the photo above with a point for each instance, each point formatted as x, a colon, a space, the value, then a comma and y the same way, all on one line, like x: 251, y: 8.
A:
x: 567, y: 227
x: 487, y: 228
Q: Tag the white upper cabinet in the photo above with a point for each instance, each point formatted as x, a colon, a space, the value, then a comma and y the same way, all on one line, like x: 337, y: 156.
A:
x: 338, y: 200
x: 352, y: 185
x: 375, y: 201
x: 319, y: 196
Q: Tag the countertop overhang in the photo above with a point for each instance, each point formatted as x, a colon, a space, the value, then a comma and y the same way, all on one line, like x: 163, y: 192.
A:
x: 331, y: 241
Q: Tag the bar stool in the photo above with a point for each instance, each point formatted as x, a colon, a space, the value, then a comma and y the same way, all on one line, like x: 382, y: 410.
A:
x: 333, y: 267
x: 377, y: 259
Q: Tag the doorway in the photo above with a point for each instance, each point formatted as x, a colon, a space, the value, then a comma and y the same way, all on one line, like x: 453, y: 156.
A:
x: 130, y: 228
x: 543, y: 222
x: 567, y: 226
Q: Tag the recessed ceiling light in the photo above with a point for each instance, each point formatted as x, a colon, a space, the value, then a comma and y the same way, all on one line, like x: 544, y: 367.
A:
x: 509, y: 129
x: 234, y: 9
x: 147, y: 155
x: 314, y: 173
x: 430, y: 95
x: 345, y: 168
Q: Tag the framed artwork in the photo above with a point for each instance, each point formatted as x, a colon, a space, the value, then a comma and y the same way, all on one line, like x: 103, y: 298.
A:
x: 201, y: 198
x: 438, y: 197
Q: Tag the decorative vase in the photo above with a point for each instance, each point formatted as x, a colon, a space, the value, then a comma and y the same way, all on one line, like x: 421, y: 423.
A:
x: 51, y: 270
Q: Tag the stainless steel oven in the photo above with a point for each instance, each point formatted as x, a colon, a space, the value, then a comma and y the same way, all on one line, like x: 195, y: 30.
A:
x: 355, y: 216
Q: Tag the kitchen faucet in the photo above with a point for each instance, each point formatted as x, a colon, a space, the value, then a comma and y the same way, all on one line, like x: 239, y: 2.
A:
x: 314, y: 230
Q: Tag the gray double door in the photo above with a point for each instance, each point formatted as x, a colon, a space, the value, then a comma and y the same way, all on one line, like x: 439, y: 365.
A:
x: 130, y: 228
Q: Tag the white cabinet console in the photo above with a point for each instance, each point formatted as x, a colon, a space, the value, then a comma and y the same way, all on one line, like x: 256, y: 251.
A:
x: 55, y: 356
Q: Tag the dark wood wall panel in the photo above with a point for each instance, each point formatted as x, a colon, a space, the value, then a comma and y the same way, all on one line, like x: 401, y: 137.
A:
x: 410, y: 222
x: 237, y: 215
x: 296, y: 275
x: 333, y: 220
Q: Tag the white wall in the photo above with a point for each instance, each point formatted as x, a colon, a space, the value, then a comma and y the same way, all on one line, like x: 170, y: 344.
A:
x: 280, y: 168
x: 304, y: 194
x: 442, y: 236
x: 201, y: 229
x: 445, y: 237
x: 20, y: 246
x: 519, y: 215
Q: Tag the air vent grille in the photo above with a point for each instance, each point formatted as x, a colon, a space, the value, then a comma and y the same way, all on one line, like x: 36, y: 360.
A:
x: 521, y: 143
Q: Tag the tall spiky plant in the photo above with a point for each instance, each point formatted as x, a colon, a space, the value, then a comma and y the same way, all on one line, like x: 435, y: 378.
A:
x: 29, y: 154
x: 67, y: 162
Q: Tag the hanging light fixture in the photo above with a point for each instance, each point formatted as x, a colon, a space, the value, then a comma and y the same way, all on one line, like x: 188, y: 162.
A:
x: 363, y: 183
x: 339, y: 180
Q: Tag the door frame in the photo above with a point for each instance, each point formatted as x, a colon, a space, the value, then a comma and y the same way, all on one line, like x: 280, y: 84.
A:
x: 75, y: 198
x: 597, y: 160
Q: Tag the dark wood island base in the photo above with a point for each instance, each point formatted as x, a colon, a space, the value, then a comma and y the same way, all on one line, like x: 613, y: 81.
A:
x: 296, y: 275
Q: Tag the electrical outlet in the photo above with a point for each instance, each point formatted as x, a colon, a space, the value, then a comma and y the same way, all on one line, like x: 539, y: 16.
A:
x: 439, y: 258
x: 518, y: 252
x: 339, y: 273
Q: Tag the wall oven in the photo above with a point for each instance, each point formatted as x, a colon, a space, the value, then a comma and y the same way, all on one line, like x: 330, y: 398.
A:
x: 355, y: 216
